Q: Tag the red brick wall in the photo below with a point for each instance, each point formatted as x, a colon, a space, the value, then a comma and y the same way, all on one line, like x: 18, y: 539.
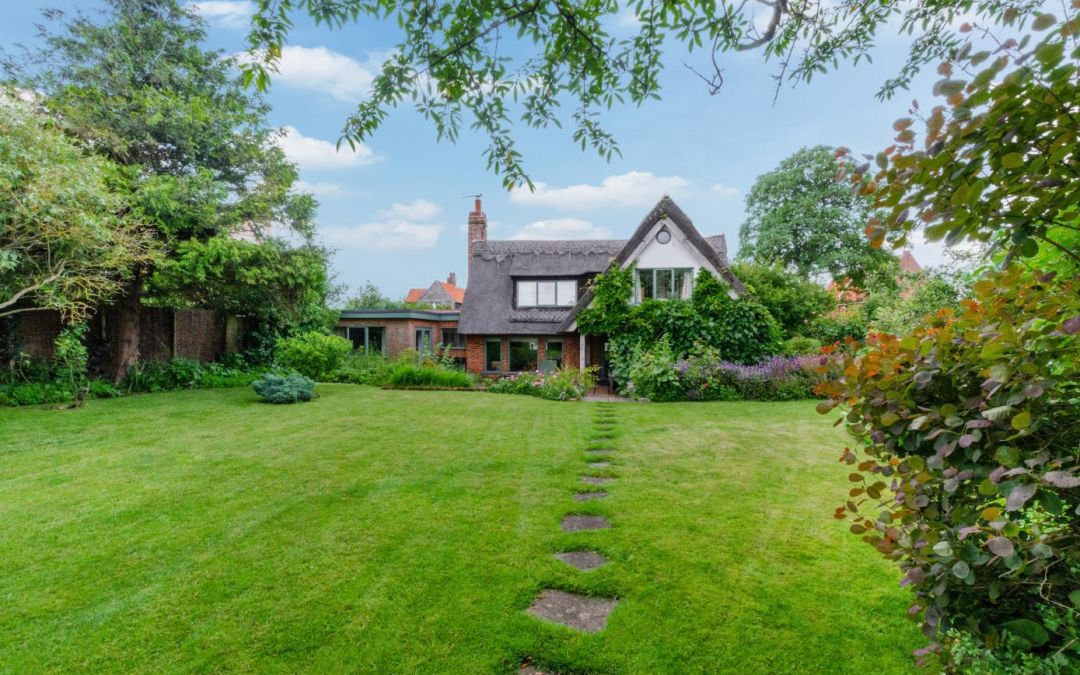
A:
x: 401, y: 333
x: 475, y: 351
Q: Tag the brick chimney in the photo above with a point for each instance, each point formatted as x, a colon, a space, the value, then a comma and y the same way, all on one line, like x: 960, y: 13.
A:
x: 452, y: 279
x: 477, y: 227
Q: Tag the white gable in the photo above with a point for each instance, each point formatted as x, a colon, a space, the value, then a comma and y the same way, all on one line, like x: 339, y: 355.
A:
x: 677, y: 253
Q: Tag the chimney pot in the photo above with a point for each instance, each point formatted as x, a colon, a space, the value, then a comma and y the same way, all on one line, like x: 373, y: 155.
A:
x: 452, y: 279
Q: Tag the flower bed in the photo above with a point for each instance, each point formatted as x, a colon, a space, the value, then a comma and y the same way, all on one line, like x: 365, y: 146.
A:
x: 561, y: 385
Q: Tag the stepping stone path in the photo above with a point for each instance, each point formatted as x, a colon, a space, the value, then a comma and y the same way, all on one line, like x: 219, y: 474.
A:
x: 583, y: 523
x: 588, y: 496
x: 573, y: 610
x: 596, y: 480
x: 582, y: 612
x: 583, y: 560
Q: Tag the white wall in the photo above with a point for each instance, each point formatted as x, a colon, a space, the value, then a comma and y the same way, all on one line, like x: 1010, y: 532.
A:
x: 677, y: 253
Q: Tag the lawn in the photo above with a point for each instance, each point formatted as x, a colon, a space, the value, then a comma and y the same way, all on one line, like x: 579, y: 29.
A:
x: 379, y: 531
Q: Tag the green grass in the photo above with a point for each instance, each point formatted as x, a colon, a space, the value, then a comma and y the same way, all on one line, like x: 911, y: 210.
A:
x: 402, y: 531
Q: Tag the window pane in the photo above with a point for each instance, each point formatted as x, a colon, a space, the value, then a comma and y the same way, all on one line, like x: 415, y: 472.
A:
x: 545, y: 293
x: 493, y: 355
x: 645, y: 284
x: 356, y: 334
x: 553, y: 352
x: 423, y: 340
x: 664, y: 284
x: 566, y: 292
x: 526, y: 293
x: 684, y: 281
x: 523, y: 354
x: 341, y: 331
x: 375, y: 340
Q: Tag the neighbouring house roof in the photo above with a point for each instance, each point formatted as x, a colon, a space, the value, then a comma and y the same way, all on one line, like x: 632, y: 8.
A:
x: 438, y: 293
x: 909, y: 264
x: 424, y: 314
x: 488, y: 308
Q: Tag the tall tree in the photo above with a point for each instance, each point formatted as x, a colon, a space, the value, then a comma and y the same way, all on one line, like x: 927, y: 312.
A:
x: 454, y: 60
x: 800, y: 216
x: 140, y: 87
x: 68, y: 239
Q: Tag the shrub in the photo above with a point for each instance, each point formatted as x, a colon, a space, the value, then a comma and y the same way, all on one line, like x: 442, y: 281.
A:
x: 284, y: 388
x: 313, y: 354
x: 562, y: 385
x: 361, y: 368
x: 801, y: 345
x: 404, y: 374
x: 966, y: 468
x: 653, y: 376
x: 830, y: 329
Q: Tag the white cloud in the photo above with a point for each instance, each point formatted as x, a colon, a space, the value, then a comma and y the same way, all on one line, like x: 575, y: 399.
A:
x: 226, y: 13
x: 319, y: 189
x: 325, y: 71
x: 401, y: 226
x: 724, y: 190
x: 627, y: 19
x: 315, y: 153
x: 389, y: 235
x: 634, y: 188
x: 419, y: 209
x: 562, y: 228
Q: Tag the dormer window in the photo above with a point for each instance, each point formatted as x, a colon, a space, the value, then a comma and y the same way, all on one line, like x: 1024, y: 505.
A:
x: 663, y: 284
x: 547, y: 293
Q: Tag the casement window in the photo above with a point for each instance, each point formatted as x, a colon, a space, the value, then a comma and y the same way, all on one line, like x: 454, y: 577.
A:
x: 547, y: 293
x: 365, y: 338
x: 423, y: 340
x: 553, y: 352
x: 493, y: 354
x: 523, y: 354
x: 451, y: 338
x: 663, y: 284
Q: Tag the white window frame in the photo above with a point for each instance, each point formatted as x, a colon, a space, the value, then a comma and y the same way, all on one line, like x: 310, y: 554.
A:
x: 559, y: 287
x: 671, y: 271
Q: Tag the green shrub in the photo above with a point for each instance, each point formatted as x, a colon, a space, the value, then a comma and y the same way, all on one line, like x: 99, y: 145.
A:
x: 361, y: 368
x: 801, y: 345
x: 652, y: 374
x: 404, y: 374
x: 284, y: 388
x: 830, y: 329
x: 562, y: 385
x: 966, y: 471
x: 313, y: 354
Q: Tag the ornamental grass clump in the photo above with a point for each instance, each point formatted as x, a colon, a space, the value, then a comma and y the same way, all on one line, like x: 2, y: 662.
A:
x: 966, y: 471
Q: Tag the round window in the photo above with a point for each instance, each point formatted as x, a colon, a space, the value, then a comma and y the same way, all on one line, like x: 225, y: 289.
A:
x: 663, y: 236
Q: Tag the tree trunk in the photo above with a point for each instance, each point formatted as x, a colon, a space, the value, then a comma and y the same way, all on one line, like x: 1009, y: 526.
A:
x: 126, y: 336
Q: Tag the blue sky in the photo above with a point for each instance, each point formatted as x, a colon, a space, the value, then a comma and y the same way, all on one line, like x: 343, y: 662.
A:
x: 395, y: 213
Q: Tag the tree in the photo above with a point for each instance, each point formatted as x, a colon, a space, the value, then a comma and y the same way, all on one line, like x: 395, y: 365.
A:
x: 201, y: 158
x: 453, y: 60
x: 68, y: 240
x: 966, y: 428
x: 370, y: 296
x: 793, y: 301
x: 802, y: 218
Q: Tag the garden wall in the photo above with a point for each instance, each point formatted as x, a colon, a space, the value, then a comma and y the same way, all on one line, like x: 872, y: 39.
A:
x: 197, y: 334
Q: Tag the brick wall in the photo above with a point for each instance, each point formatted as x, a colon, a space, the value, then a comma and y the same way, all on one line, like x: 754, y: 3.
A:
x: 476, y: 351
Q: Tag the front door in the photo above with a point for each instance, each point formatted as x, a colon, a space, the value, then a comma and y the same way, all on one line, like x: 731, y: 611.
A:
x: 596, y: 346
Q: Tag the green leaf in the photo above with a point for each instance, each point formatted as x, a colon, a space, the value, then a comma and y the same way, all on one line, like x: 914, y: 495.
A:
x: 1027, y: 630
x: 1013, y: 160
x: 1074, y: 598
x: 1021, y: 421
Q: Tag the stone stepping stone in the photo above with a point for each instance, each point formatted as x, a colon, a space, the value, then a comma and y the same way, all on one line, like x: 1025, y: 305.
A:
x: 575, y: 611
x: 582, y: 523
x: 588, y: 496
x: 582, y: 560
x: 599, y: 465
x: 532, y: 670
x: 597, y: 480
x: 599, y: 451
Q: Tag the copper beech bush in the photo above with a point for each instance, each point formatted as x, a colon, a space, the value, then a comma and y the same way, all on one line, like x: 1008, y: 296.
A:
x: 966, y: 472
